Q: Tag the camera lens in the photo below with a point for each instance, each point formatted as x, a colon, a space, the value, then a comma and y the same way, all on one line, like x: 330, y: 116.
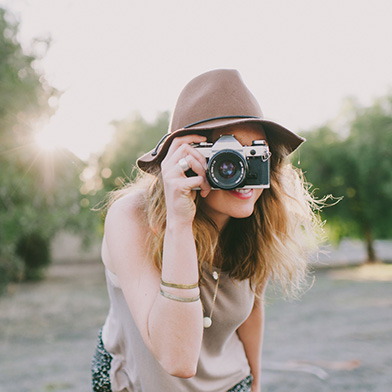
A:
x: 226, y: 169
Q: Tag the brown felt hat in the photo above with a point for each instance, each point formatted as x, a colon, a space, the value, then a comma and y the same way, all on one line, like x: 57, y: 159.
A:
x: 217, y: 99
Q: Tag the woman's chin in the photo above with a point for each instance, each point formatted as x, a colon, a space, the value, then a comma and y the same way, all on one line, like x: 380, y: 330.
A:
x: 246, y: 213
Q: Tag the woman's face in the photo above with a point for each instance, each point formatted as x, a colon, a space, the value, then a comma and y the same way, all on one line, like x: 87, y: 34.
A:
x: 220, y: 205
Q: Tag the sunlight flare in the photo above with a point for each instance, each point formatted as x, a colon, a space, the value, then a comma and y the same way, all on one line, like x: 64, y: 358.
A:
x: 47, y: 139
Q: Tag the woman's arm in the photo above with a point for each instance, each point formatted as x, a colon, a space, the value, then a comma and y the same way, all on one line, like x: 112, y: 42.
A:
x: 251, y: 335
x: 172, y: 330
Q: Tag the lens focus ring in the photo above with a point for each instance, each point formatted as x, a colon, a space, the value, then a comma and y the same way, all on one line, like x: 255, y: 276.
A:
x: 227, y: 169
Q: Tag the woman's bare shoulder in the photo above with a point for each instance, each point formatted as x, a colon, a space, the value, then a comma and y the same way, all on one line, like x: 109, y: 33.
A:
x: 126, y: 230
x: 126, y: 220
x: 128, y: 209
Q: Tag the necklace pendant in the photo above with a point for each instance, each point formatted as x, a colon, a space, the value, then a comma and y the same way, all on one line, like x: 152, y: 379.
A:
x: 207, y: 322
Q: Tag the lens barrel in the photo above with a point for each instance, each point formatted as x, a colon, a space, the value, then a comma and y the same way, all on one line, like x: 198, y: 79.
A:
x: 226, y: 169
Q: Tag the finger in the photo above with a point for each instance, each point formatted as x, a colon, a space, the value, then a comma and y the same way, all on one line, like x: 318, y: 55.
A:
x: 204, y: 185
x: 201, y: 184
x: 182, y: 152
x: 205, y: 192
x: 193, y: 138
x: 199, y: 157
x: 200, y: 179
x: 198, y: 167
x: 192, y: 155
x: 195, y: 182
x: 175, y: 155
x: 184, y: 140
x: 184, y: 165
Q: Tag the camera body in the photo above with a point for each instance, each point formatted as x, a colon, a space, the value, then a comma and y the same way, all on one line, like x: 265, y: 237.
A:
x: 234, y: 166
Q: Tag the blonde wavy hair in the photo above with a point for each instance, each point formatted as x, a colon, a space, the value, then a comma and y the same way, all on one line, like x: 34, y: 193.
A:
x: 274, y: 242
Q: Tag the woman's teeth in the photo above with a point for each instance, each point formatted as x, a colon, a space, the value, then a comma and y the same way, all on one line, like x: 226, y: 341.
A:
x: 244, y: 191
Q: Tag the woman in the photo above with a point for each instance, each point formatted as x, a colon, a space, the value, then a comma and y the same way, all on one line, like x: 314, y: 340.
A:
x: 186, y: 265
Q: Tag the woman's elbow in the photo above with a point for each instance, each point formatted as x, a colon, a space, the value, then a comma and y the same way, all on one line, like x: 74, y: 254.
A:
x: 180, y: 368
x: 184, y: 373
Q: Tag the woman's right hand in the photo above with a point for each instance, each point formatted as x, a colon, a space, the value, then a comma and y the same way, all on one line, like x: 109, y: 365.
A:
x: 172, y: 330
x: 179, y: 196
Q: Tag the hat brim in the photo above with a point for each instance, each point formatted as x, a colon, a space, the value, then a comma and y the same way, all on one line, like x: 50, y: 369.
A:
x: 277, y: 135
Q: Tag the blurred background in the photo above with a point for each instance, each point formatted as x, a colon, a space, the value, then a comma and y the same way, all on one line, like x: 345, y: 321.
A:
x: 87, y: 86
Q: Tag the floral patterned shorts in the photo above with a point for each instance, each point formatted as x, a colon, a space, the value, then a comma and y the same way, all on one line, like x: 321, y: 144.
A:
x: 243, y: 386
x: 101, y: 364
x: 100, y: 368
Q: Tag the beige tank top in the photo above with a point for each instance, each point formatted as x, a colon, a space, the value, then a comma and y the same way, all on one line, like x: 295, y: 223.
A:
x: 222, y: 363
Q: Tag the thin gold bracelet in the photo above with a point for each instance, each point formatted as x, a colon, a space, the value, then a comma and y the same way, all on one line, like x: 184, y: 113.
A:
x: 179, y: 286
x: 179, y: 299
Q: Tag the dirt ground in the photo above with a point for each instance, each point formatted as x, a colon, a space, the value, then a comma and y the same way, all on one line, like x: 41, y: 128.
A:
x: 337, y: 338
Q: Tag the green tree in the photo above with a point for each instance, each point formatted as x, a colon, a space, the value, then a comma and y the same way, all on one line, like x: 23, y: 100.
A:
x: 39, y: 190
x: 357, y: 167
x: 24, y: 91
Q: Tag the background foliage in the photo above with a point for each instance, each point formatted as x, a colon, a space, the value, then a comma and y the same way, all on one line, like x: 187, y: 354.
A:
x: 39, y: 190
x: 133, y: 137
x: 354, y: 162
x: 43, y: 192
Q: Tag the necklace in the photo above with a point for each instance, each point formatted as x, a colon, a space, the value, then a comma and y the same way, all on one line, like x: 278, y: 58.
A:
x: 207, y: 320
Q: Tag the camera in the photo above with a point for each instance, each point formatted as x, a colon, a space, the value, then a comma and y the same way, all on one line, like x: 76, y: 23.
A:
x: 232, y: 165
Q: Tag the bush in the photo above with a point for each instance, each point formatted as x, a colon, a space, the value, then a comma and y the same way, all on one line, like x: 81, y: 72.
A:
x: 33, y: 249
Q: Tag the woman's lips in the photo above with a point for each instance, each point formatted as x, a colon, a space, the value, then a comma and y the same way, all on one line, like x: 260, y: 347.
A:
x: 242, y: 193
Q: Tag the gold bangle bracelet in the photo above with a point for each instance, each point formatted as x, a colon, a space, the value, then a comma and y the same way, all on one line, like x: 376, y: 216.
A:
x: 179, y: 299
x: 179, y: 286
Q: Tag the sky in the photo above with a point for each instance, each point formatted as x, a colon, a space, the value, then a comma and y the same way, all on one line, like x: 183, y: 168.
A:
x: 112, y: 58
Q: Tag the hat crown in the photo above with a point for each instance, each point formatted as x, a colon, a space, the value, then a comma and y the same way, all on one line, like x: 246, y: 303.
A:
x: 214, y: 94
